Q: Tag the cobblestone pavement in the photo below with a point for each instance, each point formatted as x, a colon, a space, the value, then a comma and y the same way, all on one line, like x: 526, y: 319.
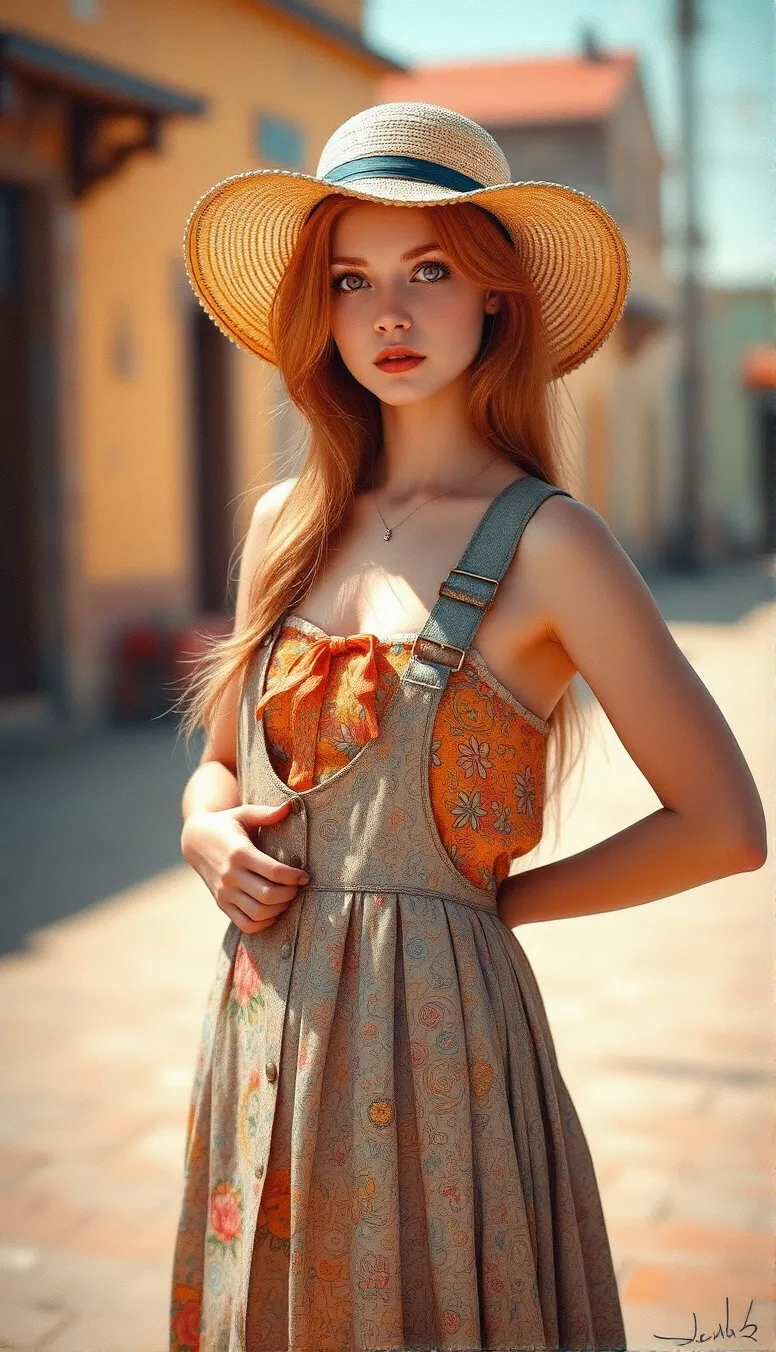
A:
x: 662, y: 1016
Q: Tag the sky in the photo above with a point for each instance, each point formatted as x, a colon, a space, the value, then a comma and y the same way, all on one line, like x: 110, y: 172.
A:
x: 734, y: 64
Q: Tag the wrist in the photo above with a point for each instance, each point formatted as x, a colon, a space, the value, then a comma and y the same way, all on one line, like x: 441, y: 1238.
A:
x: 506, y: 901
x: 513, y: 899
x: 190, y: 830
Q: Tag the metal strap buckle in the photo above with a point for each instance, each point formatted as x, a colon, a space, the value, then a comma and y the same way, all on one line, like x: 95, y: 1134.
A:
x: 448, y: 647
x: 444, y: 590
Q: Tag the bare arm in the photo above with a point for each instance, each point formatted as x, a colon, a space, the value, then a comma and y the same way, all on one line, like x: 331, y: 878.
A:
x: 213, y: 785
x: 252, y: 888
x: 712, y: 822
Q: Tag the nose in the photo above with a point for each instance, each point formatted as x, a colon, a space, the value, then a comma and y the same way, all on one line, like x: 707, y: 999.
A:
x: 391, y: 316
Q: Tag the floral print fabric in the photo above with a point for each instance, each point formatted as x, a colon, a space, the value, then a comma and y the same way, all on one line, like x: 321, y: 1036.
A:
x: 323, y: 700
x: 382, y: 1153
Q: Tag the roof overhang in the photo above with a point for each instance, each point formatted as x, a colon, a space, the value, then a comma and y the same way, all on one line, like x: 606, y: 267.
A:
x: 311, y: 17
x: 111, y: 112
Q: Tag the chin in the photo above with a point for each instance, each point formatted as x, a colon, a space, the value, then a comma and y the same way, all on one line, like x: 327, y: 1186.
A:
x: 399, y: 398
x: 396, y: 391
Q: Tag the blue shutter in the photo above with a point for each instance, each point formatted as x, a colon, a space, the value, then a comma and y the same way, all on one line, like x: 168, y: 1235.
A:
x: 280, y: 142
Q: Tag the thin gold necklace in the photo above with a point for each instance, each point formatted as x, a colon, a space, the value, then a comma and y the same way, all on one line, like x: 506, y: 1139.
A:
x: 390, y: 529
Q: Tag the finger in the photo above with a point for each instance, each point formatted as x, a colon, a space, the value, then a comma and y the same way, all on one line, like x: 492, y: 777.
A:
x: 256, y: 910
x: 270, y: 895
x: 255, y: 814
x: 257, y: 862
x: 241, y: 920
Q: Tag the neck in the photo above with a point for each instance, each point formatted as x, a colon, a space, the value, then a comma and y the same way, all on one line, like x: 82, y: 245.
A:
x: 428, y: 447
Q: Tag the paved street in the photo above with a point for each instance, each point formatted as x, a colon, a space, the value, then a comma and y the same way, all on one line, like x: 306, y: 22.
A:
x: 662, y: 1014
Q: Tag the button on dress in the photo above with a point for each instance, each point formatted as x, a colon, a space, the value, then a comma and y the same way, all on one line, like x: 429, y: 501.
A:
x: 381, y: 1150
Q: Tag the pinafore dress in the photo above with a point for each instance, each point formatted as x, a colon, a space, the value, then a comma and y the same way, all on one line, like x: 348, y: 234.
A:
x: 381, y: 1150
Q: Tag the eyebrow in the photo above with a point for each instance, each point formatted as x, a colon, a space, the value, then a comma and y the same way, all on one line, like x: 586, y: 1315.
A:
x: 404, y: 258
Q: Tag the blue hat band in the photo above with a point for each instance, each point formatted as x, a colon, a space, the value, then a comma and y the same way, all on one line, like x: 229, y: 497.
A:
x: 401, y: 166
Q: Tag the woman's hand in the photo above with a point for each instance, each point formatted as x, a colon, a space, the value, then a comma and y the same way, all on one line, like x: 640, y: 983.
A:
x: 249, y: 886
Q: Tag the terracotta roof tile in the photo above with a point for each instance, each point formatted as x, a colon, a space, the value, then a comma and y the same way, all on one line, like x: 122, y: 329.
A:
x: 554, y: 89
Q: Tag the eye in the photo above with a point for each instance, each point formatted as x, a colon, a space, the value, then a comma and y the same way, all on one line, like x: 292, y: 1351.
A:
x: 338, y: 282
x: 433, y: 263
x: 341, y: 277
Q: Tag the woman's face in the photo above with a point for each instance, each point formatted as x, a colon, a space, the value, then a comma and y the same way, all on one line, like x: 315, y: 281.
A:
x: 393, y: 286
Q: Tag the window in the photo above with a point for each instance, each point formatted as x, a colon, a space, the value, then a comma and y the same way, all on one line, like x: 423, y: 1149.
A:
x: 279, y: 141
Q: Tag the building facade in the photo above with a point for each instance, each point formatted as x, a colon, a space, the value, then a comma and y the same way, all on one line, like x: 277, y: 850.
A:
x: 134, y: 437
x: 738, y: 430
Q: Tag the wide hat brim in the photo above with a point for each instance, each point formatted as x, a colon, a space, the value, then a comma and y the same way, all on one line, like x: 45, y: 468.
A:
x: 242, y: 232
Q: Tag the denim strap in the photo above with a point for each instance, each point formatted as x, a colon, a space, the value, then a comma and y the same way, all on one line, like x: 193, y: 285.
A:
x: 469, y: 588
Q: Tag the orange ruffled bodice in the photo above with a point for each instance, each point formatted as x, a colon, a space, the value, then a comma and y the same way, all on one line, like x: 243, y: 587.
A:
x: 323, y: 699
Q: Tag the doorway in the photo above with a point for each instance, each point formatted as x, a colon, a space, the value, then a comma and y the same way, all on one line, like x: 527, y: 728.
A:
x: 212, y: 469
x: 19, y: 636
x: 766, y: 433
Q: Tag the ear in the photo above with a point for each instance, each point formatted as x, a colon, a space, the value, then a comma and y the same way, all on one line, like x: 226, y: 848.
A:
x: 492, y: 302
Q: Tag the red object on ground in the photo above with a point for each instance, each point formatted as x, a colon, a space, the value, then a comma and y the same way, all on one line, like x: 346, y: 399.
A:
x: 154, y: 660
x: 758, y: 366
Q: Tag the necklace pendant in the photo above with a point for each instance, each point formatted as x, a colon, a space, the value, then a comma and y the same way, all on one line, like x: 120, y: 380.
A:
x: 388, y: 533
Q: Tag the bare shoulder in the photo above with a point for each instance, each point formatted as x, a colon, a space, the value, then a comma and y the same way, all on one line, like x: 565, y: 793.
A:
x: 263, y: 517
x: 571, y: 556
x: 566, y: 524
x: 221, y: 741
x: 269, y: 503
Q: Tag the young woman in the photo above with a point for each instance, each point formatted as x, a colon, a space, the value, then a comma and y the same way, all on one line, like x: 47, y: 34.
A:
x: 382, y: 1152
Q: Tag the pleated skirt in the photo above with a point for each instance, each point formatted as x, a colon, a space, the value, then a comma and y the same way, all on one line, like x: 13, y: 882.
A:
x: 427, y: 1183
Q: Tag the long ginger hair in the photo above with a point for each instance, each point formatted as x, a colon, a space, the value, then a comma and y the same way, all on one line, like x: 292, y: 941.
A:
x: 513, y: 408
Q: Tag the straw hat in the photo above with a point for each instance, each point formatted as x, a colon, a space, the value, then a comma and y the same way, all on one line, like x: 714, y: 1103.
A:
x: 242, y: 232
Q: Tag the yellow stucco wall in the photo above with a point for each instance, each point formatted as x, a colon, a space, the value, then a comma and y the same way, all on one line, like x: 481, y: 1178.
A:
x: 133, y: 427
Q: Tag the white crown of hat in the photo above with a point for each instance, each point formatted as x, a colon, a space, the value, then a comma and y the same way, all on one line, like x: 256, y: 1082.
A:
x: 416, y: 131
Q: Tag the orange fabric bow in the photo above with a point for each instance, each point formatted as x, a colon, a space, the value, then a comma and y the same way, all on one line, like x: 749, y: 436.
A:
x: 306, y: 679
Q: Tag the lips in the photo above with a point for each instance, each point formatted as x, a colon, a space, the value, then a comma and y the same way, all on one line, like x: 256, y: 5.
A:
x: 398, y: 359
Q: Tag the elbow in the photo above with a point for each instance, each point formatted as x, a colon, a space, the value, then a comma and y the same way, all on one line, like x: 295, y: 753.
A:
x: 736, y: 833
x: 755, y: 855
x: 748, y: 849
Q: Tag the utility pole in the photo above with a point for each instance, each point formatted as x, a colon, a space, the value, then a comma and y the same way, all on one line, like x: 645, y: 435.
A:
x: 685, y: 549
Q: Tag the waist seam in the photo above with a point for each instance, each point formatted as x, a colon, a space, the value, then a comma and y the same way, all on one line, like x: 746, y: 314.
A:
x: 402, y: 891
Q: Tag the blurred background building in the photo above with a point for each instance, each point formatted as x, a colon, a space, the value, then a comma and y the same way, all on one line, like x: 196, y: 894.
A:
x: 740, y: 404
x: 134, y: 437
x: 129, y: 425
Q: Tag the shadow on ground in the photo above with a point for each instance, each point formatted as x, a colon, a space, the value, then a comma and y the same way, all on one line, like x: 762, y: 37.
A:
x: 85, y: 818
x: 81, y: 820
x: 719, y: 594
